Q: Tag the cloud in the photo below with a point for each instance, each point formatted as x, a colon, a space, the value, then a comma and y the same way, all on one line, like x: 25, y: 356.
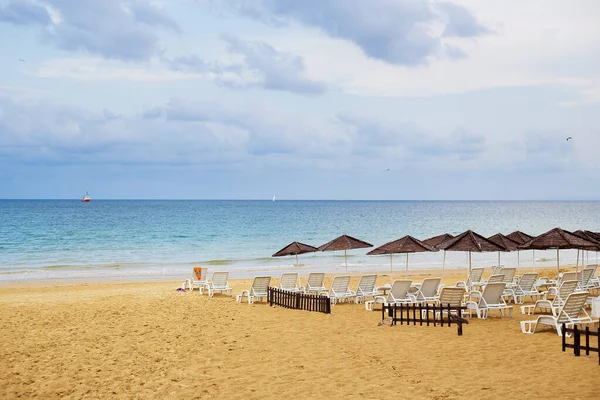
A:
x: 257, y: 65
x: 402, y: 32
x: 24, y: 12
x: 119, y: 29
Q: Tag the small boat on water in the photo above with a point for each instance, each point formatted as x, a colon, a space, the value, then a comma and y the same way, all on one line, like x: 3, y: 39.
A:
x: 86, y: 198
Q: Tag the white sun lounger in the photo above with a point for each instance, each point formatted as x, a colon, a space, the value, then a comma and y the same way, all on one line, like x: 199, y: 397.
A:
x: 545, y: 304
x: 289, y: 282
x: 218, y: 283
x: 570, y: 313
x: 339, y: 290
x: 496, y: 269
x: 567, y: 276
x: 314, y: 283
x: 495, y: 279
x: 366, y: 288
x: 428, y: 291
x: 586, y: 276
x: 524, y: 287
x: 474, y: 280
x: 258, y: 290
x: 489, y: 299
x: 449, y: 295
x: 198, y: 279
x: 509, y: 275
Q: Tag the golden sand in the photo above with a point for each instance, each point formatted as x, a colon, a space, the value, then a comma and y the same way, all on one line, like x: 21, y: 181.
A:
x: 145, y: 340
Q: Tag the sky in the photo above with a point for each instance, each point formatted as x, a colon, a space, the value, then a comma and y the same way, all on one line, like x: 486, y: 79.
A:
x: 312, y: 99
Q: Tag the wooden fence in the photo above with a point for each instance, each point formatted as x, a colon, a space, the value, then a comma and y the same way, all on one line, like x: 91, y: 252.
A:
x: 577, y: 335
x: 427, y: 314
x: 299, y: 301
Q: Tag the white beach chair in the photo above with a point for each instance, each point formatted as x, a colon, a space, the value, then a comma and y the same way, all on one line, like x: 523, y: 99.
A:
x: 258, y: 290
x: 495, y: 279
x: 314, y: 283
x: 198, y: 279
x: 449, y: 295
x: 398, y: 294
x: 474, y: 280
x: 289, y: 282
x: 366, y: 288
x: 569, y: 314
x: 428, y: 291
x: 218, y: 283
x: 509, y: 275
x: 566, y: 276
x: 594, y: 280
x: 545, y: 304
x: 496, y: 269
x: 339, y: 290
x: 586, y: 276
x: 489, y: 299
x: 524, y: 287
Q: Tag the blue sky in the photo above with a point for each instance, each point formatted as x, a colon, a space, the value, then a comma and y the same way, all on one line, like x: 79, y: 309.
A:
x: 313, y: 99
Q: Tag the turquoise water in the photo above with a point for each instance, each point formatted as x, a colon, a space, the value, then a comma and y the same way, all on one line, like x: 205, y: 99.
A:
x: 133, y: 239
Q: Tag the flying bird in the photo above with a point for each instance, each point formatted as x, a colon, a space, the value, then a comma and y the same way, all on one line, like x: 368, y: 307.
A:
x: 569, y: 138
x: 387, y: 170
x: 20, y: 59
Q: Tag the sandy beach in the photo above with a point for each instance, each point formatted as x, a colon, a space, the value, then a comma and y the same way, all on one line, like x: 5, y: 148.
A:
x: 145, y: 340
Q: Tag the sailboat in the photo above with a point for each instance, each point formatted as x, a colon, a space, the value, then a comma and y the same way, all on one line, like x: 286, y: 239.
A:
x: 273, y: 197
x: 86, y: 198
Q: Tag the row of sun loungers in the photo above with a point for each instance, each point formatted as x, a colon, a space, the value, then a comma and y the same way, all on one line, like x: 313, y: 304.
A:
x: 564, y: 299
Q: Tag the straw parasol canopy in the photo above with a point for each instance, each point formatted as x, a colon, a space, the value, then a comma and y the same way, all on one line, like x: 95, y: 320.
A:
x: 404, y: 245
x: 295, y: 248
x: 505, y: 242
x: 558, y: 238
x: 437, y: 240
x: 345, y: 243
x: 519, y: 237
x: 469, y: 241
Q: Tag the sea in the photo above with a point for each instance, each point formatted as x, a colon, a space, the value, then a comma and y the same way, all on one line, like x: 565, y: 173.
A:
x: 50, y: 240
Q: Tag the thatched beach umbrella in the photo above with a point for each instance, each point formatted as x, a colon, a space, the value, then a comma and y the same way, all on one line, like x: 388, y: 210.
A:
x: 592, y: 237
x: 435, y: 241
x: 295, y: 248
x: 345, y: 243
x: 558, y: 239
x: 520, y: 238
x: 405, y: 245
x: 504, y: 242
x: 469, y: 241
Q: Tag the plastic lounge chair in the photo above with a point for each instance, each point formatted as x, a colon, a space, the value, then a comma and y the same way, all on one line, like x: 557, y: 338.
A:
x: 474, y: 280
x: 489, y: 299
x: 509, y: 275
x: 314, y: 283
x: 258, y: 290
x: 567, y: 276
x: 289, y: 282
x: 594, y: 280
x: 428, y: 291
x: 198, y: 279
x: 569, y: 314
x: 398, y: 294
x: 586, y: 276
x: 449, y: 295
x: 495, y: 279
x: 566, y: 288
x: 218, y: 283
x: 496, y: 269
x: 339, y: 290
x: 366, y: 288
x: 524, y: 287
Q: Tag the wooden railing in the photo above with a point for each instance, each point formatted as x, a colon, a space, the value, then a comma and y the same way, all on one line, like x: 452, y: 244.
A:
x: 577, y: 335
x: 299, y: 301
x: 425, y: 314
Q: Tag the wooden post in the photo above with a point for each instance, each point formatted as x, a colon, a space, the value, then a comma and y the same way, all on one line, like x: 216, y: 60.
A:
x: 564, y: 337
x: 427, y: 312
x: 414, y: 307
x: 587, y: 340
x: 576, y: 340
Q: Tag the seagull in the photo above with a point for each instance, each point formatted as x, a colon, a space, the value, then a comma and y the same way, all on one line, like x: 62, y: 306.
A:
x: 569, y: 138
x: 20, y: 59
x: 387, y: 170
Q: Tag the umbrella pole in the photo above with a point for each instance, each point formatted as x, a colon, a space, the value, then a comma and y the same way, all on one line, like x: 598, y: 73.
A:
x: 346, y: 259
x: 577, y: 262
x: 444, y: 264
x: 406, y: 268
x: 557, y: 261
x: 297, y: 260
x: 498, y: 259
x: 469, y: 263
x: 390, y: 267
x: 518, y: 262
